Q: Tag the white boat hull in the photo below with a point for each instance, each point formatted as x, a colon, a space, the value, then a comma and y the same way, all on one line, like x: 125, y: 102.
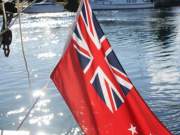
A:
x: 121, y: 6
x: 44, y: 8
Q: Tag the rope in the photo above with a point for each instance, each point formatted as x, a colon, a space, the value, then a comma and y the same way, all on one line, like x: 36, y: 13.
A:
x: 32, y: 107
x: 28, y: 113
x: 4, y: 14
x: 26, y: 65
x: 46, y: 86
x: 22, y: 47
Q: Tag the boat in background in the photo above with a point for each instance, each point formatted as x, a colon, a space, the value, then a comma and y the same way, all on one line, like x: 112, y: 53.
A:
x: 45, y: 7
x: 50, y: 6
x: 121, y: 4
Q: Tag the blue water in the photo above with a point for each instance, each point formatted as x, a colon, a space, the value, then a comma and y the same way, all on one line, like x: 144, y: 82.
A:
x: 147, y: 43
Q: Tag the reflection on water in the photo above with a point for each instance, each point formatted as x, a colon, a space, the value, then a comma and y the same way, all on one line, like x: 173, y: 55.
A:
x: 164, y: 29
x: 22, y: 109
x: 145, y: 41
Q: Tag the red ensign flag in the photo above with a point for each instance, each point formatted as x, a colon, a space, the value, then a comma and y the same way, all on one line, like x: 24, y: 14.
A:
x: 96, y: 88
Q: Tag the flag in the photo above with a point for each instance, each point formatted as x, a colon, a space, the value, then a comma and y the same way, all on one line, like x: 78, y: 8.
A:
x: 95, y: 86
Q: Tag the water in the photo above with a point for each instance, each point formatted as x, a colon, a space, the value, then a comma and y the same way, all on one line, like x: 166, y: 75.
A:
x: 147, y: 42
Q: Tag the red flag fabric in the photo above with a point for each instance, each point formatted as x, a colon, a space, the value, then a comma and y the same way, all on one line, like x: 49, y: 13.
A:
x: 96, y: 88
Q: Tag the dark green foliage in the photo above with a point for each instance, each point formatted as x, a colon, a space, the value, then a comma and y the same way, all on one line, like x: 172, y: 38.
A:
x: 166, y: 3
x: 72, y: 5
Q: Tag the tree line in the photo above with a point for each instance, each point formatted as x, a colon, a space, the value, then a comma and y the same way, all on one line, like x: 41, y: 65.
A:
x: 71, y: 5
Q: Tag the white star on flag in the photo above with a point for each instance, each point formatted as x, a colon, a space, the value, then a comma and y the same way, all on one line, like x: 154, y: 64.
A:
x: 132, y: 129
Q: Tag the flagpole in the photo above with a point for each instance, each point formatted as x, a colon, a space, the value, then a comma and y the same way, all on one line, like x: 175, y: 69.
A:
x: 73, y: 26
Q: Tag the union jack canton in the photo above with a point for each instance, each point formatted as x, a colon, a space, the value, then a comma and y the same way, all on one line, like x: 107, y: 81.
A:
x: 92, y: 47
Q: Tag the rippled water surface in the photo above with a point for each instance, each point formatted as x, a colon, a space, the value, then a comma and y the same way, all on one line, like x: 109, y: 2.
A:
x: 147, y: 43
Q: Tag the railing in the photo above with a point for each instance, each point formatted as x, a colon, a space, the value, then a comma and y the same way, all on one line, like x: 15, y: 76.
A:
x: 12, y: 132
